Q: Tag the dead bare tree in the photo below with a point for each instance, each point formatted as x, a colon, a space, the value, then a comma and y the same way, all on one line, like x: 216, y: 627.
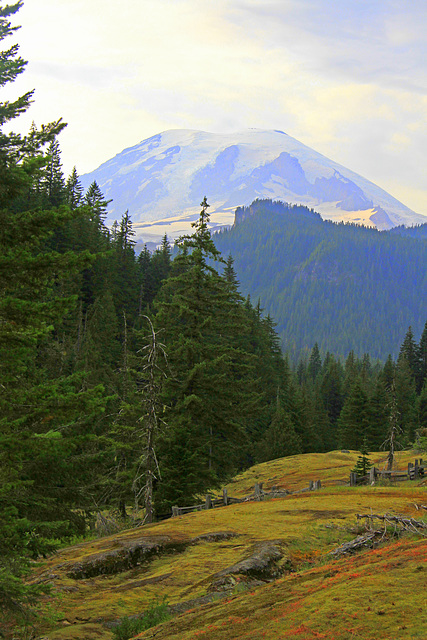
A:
x: 153, y: 373
x: 391, y: 443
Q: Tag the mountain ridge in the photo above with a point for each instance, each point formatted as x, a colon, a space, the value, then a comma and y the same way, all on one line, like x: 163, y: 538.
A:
x: 343, y: 286
x: 166, y: 176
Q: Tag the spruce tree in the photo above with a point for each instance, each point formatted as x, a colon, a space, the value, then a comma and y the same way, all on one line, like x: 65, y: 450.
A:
x: 209, y: 390
x: 409, y: 351
x: 38, y: 492
x: 53, y: 183
x: 355, y: 419
x: 363, y: 463
x: 74, y: 190
x: 280, y: 439
x: 423, y: 355
x: 98, y: 205
x: 314, y: 363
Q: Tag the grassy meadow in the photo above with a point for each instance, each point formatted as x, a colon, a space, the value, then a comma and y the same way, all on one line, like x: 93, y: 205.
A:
x: 193, y: 564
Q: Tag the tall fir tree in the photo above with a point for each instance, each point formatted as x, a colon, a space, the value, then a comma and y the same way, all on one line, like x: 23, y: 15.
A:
x: 74, y: 190
x: 210, y: 389
x: 37, y: 469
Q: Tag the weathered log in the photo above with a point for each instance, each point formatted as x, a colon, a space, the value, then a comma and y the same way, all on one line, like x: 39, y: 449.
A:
x: 366, y: 540
x: 405, y: 522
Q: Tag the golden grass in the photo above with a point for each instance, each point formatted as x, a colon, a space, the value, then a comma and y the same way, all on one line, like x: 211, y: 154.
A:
x: 295, y: 472
x: 377, y: 595
x: 320, y: 597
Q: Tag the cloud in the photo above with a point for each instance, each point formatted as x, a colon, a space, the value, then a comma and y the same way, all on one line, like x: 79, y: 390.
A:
x: 347, y: 78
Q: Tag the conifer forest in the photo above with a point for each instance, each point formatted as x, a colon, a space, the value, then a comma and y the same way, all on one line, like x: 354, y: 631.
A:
x: 131, y: 382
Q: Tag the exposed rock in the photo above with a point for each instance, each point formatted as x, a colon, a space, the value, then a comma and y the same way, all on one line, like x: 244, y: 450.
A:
x: 261, y: 566
x: 130, y: 553
x: 215, y: 536
x: 127, y: 555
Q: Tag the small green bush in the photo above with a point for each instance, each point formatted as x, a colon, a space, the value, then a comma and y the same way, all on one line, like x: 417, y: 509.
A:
x: 131, y: 626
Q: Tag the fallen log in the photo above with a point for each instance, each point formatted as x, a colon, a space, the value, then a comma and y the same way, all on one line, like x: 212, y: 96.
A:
x: 409, y: 524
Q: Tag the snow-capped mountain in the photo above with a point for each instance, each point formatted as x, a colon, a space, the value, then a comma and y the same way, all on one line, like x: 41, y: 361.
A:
x: 165, y: 177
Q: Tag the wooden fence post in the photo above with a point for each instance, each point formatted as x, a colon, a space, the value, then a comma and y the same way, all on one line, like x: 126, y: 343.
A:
x: 208, y: 502
x: 175, y: 511
x: 372, y: 475
x: 353, y: 479
x: 416, y: 469
x: 225, y: 497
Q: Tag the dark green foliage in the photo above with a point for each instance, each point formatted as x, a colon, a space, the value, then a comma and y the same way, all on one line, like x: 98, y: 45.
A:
x: 130, y: 627
x: 410, y: 352
x: 423, y: 354
x: 363, y: 463
x: 354, y: 420
x: 336, y: 285
x: 47, y: 418
x: 280, y: 439
x: 52, y: 184
x: 314, y: 363
x: 74, y: 190
x: 210, y: 396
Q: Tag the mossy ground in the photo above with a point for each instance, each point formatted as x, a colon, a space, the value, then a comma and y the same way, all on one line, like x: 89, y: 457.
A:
x: 375, y: 594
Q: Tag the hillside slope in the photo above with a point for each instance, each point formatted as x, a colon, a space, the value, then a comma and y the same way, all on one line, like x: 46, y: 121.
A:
x: 255, y: 569
x: 343, y: 286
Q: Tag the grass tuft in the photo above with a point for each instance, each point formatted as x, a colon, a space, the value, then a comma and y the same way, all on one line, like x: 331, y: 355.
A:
x: 131, y: 626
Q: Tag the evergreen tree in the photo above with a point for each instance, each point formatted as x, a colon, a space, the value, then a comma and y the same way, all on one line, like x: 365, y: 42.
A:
x: 422, y: 408
x: 351, y: 371
x: 423, y: 355
x: 98, y: 205
x: 147, y: 288
x: 52, y: 182
x: 314, y: 363
x: 126, y: 289
x: 209, y: 391
x: 406, y: 396
x: 355, y: 419
x: 280, y: 439
x: 37, y: 471
x: 74, y: 190
x: 409, y: 351
x: 388, y: 373
x: 363, y: 463
x: 330, y: 389
x: 379, y: 416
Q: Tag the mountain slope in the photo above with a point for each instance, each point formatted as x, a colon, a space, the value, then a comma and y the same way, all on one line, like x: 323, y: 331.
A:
x: 168, y: 174
x: 342, y: 286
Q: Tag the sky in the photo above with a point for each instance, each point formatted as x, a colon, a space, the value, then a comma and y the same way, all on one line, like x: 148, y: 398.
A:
x: 345, y: 77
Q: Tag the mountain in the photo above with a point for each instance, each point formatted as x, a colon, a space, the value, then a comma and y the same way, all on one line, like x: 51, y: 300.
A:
x: 166, y: 176
x: 343, y: 286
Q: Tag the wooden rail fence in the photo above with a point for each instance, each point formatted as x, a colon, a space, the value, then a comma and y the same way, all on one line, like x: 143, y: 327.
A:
x: 258, y: 494
x: 415, y: 470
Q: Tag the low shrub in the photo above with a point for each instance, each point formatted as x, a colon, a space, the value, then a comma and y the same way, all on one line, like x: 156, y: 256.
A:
x: 131, y: 626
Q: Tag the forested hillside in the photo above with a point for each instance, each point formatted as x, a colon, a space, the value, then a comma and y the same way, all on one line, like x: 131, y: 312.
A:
x: 343, y: 286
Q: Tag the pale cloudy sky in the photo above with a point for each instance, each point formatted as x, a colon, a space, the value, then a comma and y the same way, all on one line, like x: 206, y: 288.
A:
x: 346, y: 77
